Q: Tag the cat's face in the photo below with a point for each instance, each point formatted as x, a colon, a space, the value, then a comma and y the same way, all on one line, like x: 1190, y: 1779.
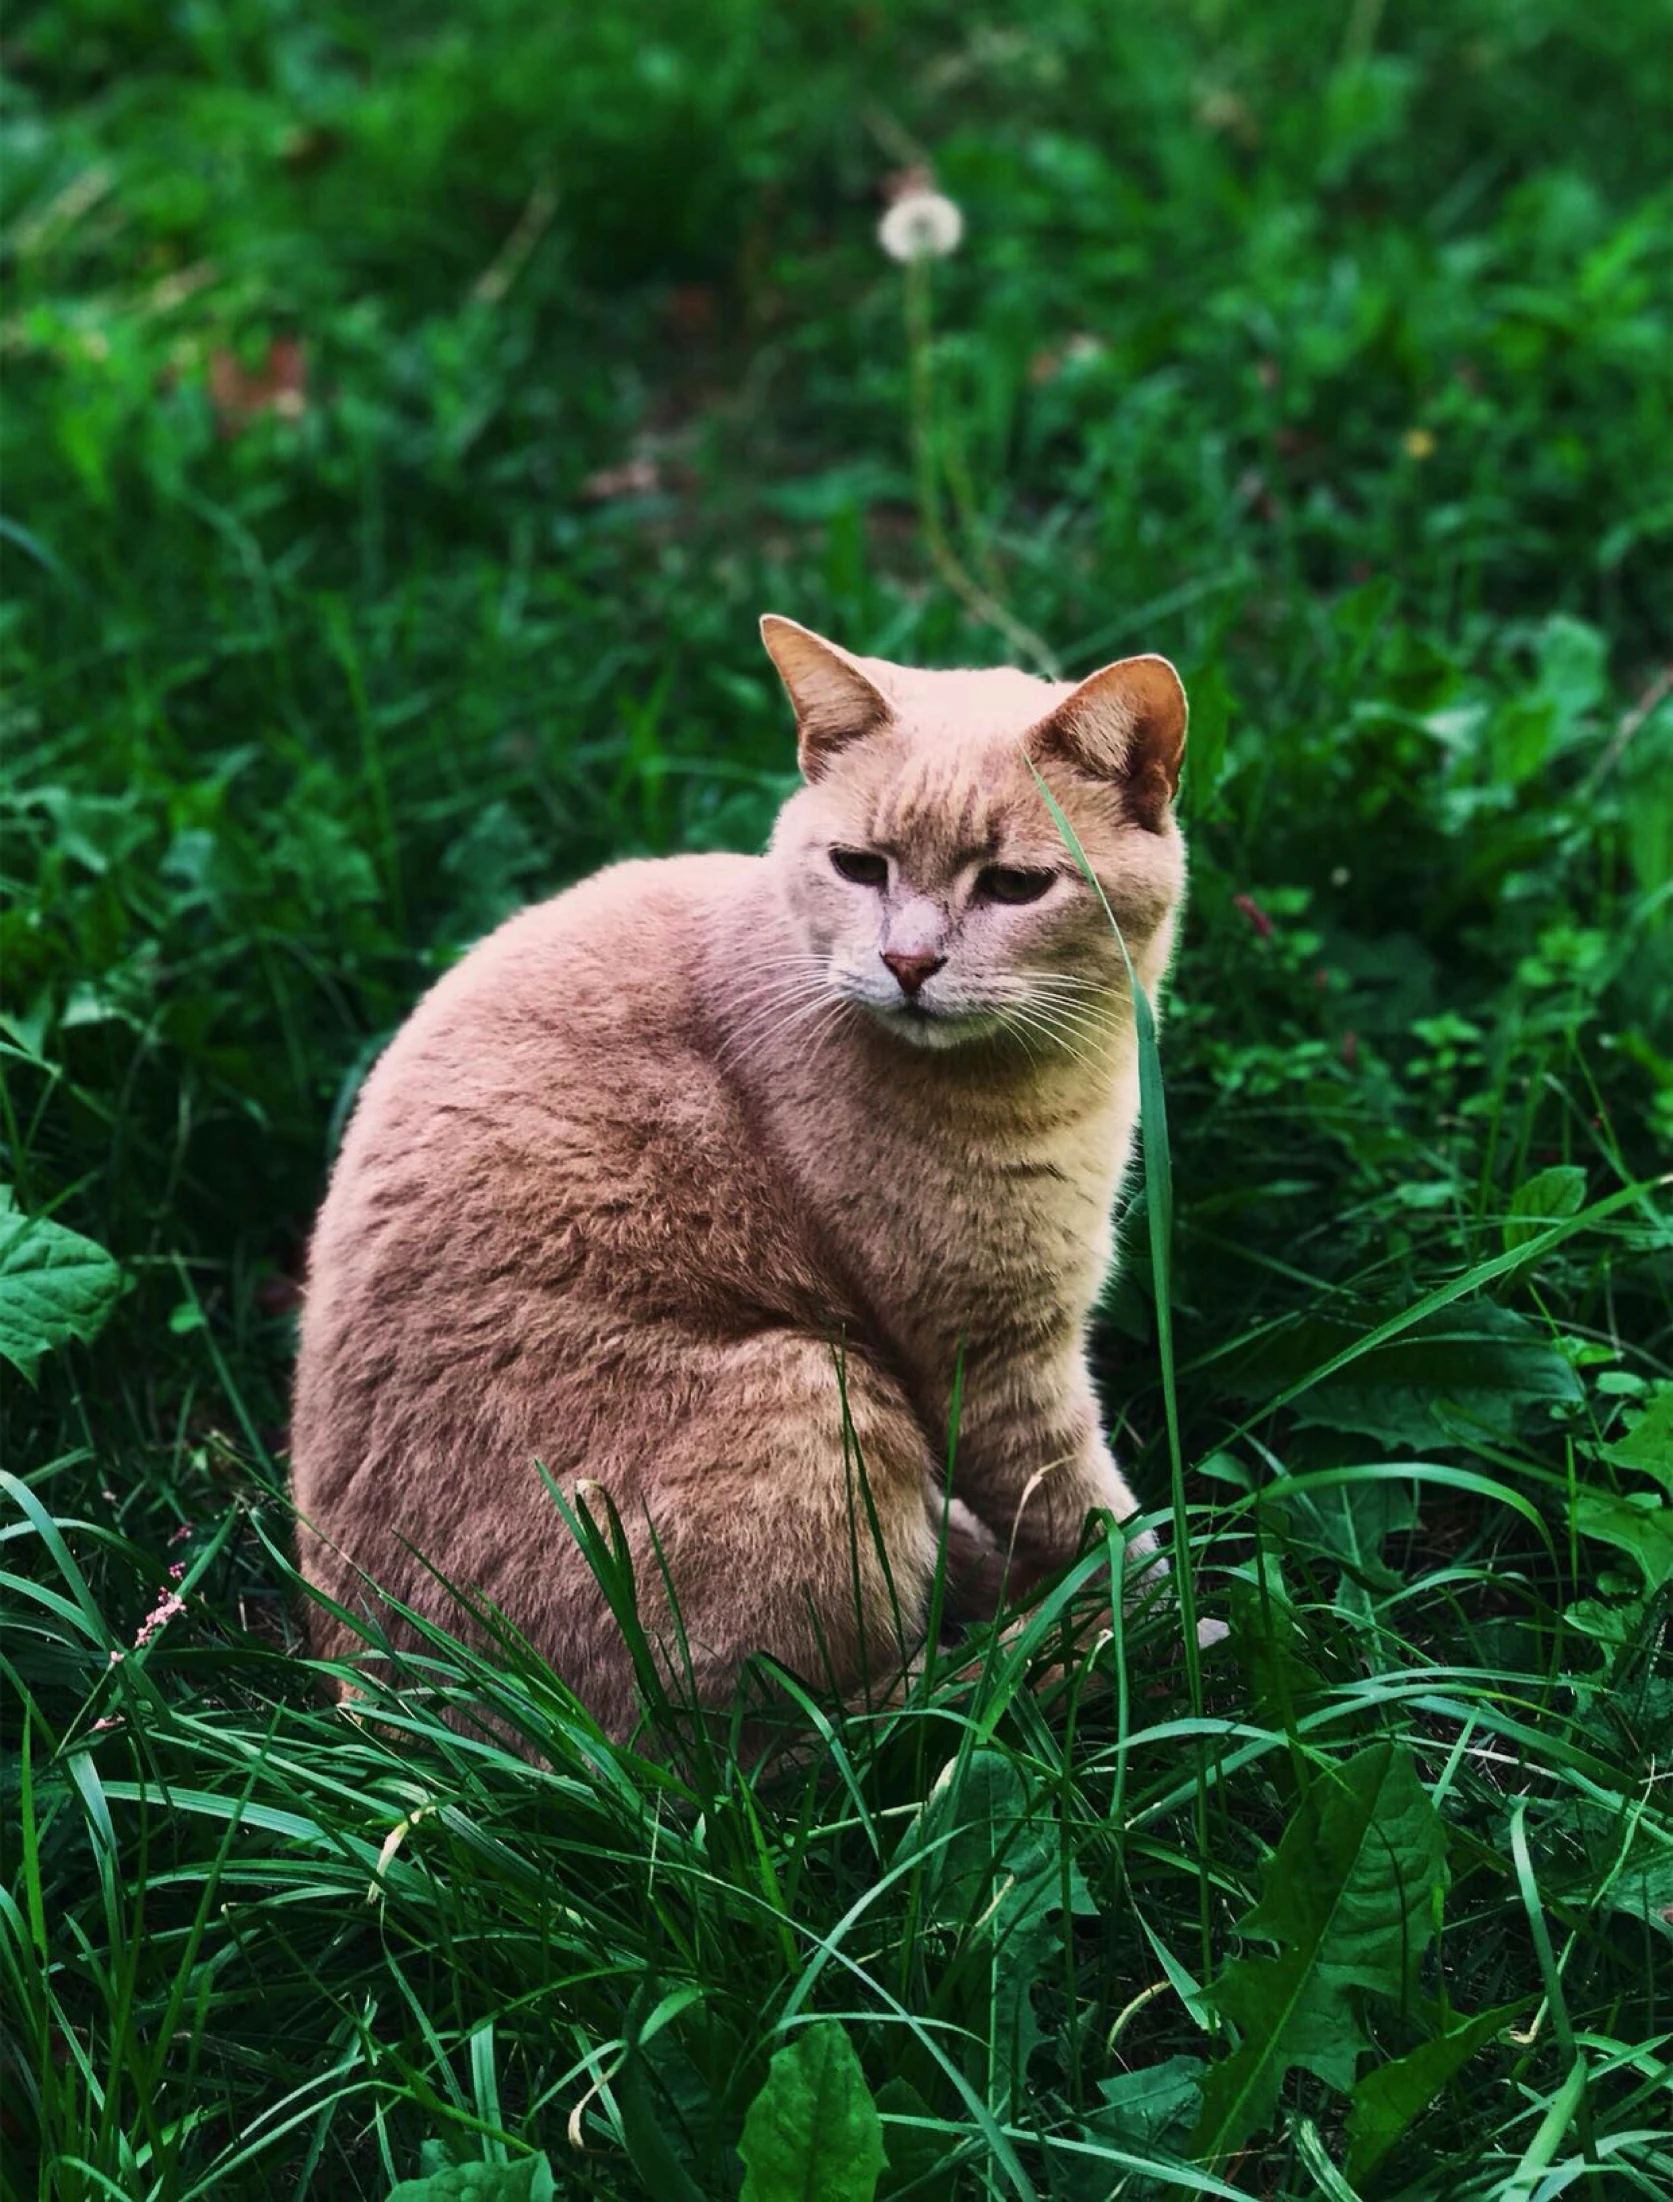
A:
x: 926, y: 877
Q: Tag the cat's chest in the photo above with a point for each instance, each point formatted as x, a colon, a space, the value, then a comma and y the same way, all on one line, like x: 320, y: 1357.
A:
x: 967, y: 1229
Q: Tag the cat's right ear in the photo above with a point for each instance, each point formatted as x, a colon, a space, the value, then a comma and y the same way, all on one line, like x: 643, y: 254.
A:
x: 835, y: 700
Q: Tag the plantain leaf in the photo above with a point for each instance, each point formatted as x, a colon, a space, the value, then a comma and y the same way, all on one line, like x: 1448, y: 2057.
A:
x: 54, y: 1286
x: 1349, y: 1899
x: 813, y: 2134
x: 1389, y: 2100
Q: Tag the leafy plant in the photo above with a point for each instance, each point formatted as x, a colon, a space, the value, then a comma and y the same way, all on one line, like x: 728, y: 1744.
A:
x: 1351, y: 1897
x: 55, y: 1285
x: 408, y: 414
x: 813, y: 2133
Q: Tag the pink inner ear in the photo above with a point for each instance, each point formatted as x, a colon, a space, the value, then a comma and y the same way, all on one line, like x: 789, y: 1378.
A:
x: 834, y: 699
x: 1126, y: 723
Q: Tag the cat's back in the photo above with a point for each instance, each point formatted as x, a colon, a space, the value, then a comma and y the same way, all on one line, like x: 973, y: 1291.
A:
x: 571, y: 1015
x: 611, y: 966
x: 554, y: 1120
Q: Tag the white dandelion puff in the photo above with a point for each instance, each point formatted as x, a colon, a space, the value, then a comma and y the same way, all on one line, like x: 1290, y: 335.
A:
x: 921, y: 225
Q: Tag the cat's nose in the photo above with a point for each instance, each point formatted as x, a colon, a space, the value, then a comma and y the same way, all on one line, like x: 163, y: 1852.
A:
x: 912, y: 971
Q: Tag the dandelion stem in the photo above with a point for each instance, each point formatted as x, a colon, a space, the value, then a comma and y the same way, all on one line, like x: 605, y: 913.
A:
x: 980, y: 602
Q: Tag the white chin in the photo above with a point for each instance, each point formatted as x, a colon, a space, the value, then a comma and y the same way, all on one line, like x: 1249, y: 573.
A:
x: 930, y: 1029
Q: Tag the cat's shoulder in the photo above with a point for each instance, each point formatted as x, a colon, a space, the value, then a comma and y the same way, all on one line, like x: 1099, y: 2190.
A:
x: 641, y: 907
x: 616, y: 958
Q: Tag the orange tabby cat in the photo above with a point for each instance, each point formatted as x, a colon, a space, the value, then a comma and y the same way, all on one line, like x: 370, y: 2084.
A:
x: 673, y: 1173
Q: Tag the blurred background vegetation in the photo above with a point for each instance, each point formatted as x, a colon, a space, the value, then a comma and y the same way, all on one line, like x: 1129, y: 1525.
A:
x: 407, y: 413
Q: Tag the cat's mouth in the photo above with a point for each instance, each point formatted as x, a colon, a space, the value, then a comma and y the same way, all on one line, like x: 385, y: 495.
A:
x: 926, y: 1026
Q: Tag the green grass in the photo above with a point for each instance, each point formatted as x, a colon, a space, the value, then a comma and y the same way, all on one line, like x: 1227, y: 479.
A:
x: 1326, y: 352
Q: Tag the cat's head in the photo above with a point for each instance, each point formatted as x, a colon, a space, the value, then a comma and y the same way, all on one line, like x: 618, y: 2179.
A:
x: 922, y: 866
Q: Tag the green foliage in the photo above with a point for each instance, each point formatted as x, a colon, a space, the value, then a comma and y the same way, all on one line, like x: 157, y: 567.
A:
x: 529, y: 2180
x: 813, y: 2133
x: 1390, y: 2098
x: 54, y: 1286
x: 408, y: 413
x: 995, y: 1880
x: 1350, y: 1896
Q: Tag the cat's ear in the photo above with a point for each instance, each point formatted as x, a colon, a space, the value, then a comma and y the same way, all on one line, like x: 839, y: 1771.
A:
x: 1127, y: 724
x: 835, y: 700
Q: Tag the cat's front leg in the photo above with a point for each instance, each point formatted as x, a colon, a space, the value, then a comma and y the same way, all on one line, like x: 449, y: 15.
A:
x: 1033, y: 1465
x: 974, y: 1563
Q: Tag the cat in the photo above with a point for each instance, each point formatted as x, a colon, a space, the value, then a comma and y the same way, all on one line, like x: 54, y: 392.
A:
x: 705, y: 1182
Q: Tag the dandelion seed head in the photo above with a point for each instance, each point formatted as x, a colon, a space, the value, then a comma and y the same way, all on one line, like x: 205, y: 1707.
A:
x: 921, y: 225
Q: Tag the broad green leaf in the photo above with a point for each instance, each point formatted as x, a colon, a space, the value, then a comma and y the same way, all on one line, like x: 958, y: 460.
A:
x: 1475, y: 1365
x: 1648, y: 1443
x: 1520, y: 735
x: 1349, y: 1899
x: 528, y: 2180
x: 1605, y: 1624
x: 99, y: 831
x: 1351, y: 1521
x: 1392, y: 2098
x: 54, y: 1286
x: 1154, y: 2107
x: 813, y: 2134
x: 1559, y: 1191
x: 918, y: 2155
x: 1573, y: 663
x: 1639, y: 1523
x: 994, y: 1874
x: 1145, y: 2114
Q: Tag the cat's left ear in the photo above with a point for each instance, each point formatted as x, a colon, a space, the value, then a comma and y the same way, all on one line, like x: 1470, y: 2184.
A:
x: 834, y: 698
x: 1125, y: 723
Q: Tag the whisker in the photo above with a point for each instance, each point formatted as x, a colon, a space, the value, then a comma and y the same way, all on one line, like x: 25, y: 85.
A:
x: 1068, y: 1036
x: 806, y: 1014
x: 791, y: 999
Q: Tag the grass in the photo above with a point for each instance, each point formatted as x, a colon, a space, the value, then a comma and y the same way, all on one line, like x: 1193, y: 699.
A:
x: 406, y: 417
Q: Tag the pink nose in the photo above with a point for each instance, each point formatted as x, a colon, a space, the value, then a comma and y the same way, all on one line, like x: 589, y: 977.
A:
x: 912, y: 971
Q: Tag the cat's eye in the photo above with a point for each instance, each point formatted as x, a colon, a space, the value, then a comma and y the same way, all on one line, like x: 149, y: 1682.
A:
x: 1002, y: 883
x: 859, y: 865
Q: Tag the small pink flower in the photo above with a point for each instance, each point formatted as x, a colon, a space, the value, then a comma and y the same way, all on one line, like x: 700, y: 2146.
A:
x: 1257, y: 917
x: 117, y: 1657
x: 164, y: 1611
x: 111, y: 1720
x: 176, y: 1571
x: 181, y: 1534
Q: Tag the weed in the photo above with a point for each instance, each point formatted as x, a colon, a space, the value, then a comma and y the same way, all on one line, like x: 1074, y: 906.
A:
x: 406, y: 419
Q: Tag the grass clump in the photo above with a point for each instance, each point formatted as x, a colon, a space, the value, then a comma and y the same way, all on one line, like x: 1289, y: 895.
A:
x: 405, y: 421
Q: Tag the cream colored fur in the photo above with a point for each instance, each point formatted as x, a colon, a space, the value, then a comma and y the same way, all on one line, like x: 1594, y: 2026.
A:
x: 670, y: 1166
